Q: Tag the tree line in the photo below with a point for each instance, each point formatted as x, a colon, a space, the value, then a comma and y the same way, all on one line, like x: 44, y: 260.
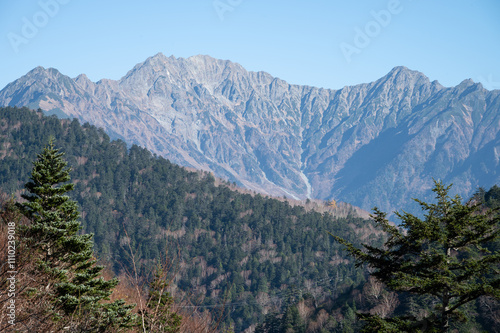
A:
x: 439, y: 273
x: 241, y: 254
x: 240, y: 251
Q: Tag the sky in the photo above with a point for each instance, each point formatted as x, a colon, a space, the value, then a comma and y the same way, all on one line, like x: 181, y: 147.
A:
x: 322, y: 43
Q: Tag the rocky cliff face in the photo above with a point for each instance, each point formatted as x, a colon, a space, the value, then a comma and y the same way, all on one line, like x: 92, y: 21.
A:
x: 376, y: 144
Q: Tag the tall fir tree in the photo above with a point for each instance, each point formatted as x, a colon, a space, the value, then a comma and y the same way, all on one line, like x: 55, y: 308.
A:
x: 74, y: 278
x: 158, y: 316
x: 445, y: 256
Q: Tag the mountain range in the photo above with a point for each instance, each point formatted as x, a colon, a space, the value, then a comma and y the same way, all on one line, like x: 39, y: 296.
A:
x: 374, y: 144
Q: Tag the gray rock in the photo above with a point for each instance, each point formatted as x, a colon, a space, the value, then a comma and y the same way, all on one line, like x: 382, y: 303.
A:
x: 376, y: 144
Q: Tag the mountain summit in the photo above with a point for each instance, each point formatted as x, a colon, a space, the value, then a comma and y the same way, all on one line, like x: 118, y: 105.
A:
x: 375, y: 144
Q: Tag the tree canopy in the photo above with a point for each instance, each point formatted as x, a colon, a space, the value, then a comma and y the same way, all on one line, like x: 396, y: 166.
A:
x: 240, y: 248
x: 447, y: 255
x: 73, y: 279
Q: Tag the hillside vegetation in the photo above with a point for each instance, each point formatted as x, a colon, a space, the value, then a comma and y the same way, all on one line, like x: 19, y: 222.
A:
x: 243, y: 252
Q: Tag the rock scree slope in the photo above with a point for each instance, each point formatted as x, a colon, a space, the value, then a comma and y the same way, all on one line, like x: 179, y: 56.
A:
x: 374, y: 144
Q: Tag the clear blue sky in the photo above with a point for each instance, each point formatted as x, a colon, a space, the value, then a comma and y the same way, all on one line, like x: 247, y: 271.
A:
x: 324, y: 43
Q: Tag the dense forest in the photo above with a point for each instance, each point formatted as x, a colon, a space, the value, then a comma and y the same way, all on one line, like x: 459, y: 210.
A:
x: 373, y: 300
x: 240, y: 252
x: 253, y: 261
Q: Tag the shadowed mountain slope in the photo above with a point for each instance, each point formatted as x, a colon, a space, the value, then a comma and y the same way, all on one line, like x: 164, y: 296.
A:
x: 376, y: 144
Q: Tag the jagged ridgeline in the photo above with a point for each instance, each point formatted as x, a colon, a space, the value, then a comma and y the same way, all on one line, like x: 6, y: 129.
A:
x: 244, y: 251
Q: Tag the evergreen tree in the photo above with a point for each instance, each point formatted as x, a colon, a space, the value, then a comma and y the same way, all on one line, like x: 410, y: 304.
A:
x: 65, y: 256
x: 158, y: 315
x: 445, y: 256
x: 147, y: 195
x: 292, y: 322
x: 492, y: 197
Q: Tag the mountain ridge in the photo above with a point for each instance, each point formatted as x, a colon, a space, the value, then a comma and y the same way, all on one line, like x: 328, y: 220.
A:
x: 377, y: 143
x: 226, y: 246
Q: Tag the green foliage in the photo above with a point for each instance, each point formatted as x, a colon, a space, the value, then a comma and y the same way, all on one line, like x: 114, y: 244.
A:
x: 292, y: 321
x: 240, y: 245
x: 158, y: 315
x: 235, y: 244
x: 392, y: 325
x: 271, y: 324
x: 445, y: 256
x: 65, y: 255
x: 288, y: 322
x: 492, y: 197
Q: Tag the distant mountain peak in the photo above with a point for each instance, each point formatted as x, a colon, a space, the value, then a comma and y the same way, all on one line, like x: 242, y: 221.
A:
x: 399, y: 69
x: 404, y: 72
x: 38, y: 70
x: 282, y: 139
x: 402, y: 77
x: 82, y: 77
x: 159, y: 55
x: 205, y: 57
x: 467, y: 83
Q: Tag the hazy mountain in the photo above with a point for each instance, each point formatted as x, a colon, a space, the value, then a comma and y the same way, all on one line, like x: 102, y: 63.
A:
x: 371, y: 144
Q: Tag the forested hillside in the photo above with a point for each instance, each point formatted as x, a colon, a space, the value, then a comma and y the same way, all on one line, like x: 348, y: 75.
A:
x: 410, y: 299
x: 243, y: 252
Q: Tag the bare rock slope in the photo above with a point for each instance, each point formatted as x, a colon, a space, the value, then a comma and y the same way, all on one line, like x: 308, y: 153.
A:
x: 376, y: 144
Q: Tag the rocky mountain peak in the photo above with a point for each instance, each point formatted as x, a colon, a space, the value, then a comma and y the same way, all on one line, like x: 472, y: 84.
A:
x: 37, y: 70
x: 467, y: 83
x: 43, y: 73
x: 402, y: 76
x: 83, y: 81
x: 375, y: 144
